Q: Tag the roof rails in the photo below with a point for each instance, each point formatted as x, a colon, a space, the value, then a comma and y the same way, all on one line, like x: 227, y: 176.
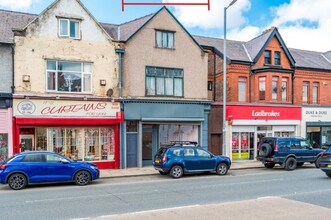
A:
x: 183, y: 143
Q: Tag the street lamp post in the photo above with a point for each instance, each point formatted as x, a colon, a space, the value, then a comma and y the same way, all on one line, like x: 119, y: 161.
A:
x: 224, y: 81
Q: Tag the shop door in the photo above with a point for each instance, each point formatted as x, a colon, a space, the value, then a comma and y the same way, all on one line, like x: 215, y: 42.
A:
x: 149, y: 144
x: 132, y: 149
x: 27, y: 142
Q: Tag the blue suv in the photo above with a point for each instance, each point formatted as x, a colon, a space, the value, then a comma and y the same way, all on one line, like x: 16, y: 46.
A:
x: 33, y: 167
x: 290, y: 152
x: 180, y: 158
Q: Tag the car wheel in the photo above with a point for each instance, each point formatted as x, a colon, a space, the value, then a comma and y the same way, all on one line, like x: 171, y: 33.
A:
x: 291, y: 164
x: 162, y: 173
x: 328, y: 174
x: 300, y: 164
x: 317, y: 162
x: 82, y: 178
x: 17, y: 181
x: 265, y: 150
x: 222, y: 169
x: 269, y: 165
x: 176, y: 172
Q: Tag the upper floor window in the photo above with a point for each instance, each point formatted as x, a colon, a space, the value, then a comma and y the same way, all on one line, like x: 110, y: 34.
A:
x: 274, y: 88
x: 164, y: 81
x: 69, y: 28
x: 277, y: 58
x: 305, y: 90
x: 69, y: 76
x: 262, y: 88
x: 242, y: 84
x: 315, y: 93
x: 267, y: 57
x: 165, y: 39
x: 210, y: 86
x: 284, y: 89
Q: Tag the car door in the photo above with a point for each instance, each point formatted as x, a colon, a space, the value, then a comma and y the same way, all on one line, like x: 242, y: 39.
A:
x: 190, y: 159
x: 308, y: 154
x: 58, y: 168
x: 206, y: 161
x: 34, y: 166
x: 297, y: 150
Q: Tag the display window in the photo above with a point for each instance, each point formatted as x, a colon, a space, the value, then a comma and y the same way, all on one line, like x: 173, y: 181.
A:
x: 3, y: 147
x: 169, y: 133
x: 82, y: 144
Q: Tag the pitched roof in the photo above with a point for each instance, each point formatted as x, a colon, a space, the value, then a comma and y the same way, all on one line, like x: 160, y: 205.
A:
x: 257, y: 44
x: 235, y: 49
x: 10, y: 20
x: 310, y: 59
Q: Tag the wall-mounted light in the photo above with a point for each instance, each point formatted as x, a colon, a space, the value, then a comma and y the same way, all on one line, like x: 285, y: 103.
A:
x: 102, y: 82
x: 26, y: 78
x: 325, y: 83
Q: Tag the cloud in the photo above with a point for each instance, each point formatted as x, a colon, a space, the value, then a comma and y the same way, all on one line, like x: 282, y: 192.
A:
x: 17, y: 4
x: 199, y: 16
x: 305, y: 24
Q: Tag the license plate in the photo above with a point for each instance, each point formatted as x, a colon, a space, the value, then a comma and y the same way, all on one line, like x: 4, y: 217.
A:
x: 157, y: 161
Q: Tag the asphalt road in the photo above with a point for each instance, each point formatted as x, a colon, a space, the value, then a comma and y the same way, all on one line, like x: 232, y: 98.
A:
x: 305, y: 192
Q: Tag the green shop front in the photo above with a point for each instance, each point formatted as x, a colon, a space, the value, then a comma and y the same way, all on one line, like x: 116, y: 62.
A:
x: 150, y: 124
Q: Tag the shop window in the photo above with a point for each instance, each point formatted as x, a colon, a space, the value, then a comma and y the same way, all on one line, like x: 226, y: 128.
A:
x: 131, y: 126
x: 262, y: 88
x: 326, y: 137
x: 70, y: 77
x: 164, y: 82
x: 242, y: 88
x: 274, y: 88
x: 69, y: 28
x: 315, y: 92
x: 277, y: 58
x: 284, y: 89
x: 171, y: 133
x: 305, y: 89
x: 267, y: 57
x: 164, y: 39
x: 3, y: 147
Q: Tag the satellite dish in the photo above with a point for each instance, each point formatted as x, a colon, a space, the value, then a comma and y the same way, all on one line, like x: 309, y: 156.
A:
x: 110, y: 92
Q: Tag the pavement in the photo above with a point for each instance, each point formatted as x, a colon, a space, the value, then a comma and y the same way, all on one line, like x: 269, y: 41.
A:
x: 149, y: 170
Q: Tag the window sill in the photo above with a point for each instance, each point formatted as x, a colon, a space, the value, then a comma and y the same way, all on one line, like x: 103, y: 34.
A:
x: 167, y: 48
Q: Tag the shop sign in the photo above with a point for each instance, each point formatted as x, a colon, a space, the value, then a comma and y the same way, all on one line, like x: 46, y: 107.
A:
x: 59, y: 108
x: 263, y: 113
x: 316, y: 114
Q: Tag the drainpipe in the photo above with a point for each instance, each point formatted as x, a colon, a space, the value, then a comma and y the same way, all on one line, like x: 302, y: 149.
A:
x: 214, y: 76
x: 250, y: 83
x: 12, y: 57
x: 120, y: 51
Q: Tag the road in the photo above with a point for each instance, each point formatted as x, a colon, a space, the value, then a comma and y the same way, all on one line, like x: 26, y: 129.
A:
x: 242, y: 193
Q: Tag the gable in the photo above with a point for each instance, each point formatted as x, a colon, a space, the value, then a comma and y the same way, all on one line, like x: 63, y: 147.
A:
x: 46, y: 24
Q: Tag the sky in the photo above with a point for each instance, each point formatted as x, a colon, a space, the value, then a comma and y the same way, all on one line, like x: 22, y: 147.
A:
x: 303, y: 24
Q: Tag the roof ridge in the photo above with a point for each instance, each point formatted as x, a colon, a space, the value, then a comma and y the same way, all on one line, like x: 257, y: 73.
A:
x: 307, y: 50
x: 218, y: 38
x: 18, y: 12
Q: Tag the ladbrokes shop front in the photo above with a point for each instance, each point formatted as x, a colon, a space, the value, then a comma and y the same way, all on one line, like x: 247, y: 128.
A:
x: 80, y: 130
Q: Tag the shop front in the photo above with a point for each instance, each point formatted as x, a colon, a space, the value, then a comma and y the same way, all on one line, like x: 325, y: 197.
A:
x: 79, y: 130
x: 248, y: 124
x: 316, y: 126
x: 151, y: 124
x: 5, y: 133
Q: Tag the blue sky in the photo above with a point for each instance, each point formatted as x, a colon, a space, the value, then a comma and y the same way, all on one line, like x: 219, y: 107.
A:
x: 303, y: 24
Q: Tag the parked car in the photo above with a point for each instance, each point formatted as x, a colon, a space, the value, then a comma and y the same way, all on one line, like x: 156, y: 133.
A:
x: 325, y: 162
x: 32, y: 167
x: 290, y: 152
x: 180, y: 158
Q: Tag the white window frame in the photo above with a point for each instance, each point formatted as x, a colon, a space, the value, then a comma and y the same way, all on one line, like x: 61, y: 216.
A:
x: 68, y: 28
x: 82, y: 72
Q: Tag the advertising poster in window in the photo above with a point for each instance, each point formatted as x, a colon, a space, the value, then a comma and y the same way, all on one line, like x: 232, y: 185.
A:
x: 244, y: 145
x: 235, y: 147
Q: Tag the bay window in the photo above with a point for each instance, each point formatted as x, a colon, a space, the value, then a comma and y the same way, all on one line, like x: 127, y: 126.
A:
x: 262, y: 88
x: 274, y: 88
x: 72, y: 77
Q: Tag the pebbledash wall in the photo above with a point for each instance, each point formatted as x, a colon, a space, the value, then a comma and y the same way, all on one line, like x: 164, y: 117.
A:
x: 80, y: 130
x: 247, y: 124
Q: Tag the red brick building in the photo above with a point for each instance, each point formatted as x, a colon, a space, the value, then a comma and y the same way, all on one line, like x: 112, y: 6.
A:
x: 268, y: 84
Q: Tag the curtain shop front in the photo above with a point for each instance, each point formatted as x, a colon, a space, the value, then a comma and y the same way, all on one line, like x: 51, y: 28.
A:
x: 79, y: 130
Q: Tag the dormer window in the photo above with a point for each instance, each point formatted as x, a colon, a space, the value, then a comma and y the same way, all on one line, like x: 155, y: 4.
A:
x: 164, y: 39
x: 267, y: 57
x: 69, y: 28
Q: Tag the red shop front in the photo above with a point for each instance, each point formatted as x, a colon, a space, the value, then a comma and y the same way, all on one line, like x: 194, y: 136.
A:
x: 79, y: 130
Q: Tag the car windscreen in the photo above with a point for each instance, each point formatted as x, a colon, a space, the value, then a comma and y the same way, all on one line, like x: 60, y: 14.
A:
x: 10, y: 158
x: 162, y: 150
x: 328, y: 150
